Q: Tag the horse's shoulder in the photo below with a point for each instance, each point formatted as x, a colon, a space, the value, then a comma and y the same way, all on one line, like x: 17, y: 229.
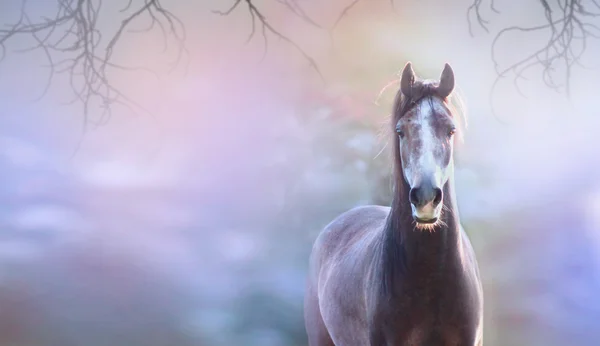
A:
x: 358, y: 218
x: 355, y: 225
x: 370, y: 211
x: 362, y: 215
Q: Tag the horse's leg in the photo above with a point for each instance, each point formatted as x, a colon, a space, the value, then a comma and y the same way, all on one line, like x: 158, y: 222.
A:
x: 315, y: 327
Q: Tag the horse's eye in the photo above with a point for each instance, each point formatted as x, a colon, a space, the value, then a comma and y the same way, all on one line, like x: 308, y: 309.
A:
x: 452, y: 132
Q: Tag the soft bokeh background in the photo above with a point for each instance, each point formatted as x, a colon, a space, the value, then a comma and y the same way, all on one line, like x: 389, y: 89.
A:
x: 193, y: 227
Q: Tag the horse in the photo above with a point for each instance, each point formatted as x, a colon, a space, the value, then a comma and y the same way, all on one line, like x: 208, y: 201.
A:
x: 405, y: 274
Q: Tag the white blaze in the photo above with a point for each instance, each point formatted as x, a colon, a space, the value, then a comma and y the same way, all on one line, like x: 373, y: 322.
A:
x: 424, y: 166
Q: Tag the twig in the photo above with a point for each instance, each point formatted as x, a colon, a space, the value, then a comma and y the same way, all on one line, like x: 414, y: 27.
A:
x: 73, y: 45
x: 345, y: 12
x: 568, y: 25
x: 255, y: 13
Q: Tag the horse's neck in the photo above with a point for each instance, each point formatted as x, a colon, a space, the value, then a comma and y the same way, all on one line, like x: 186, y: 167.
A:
x: 407, y: 250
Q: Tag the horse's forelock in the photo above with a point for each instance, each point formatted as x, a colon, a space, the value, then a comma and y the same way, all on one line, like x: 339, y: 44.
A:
x: 426, y: 88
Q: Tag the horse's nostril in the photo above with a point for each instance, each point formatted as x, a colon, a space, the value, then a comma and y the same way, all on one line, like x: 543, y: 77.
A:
x: 414, y: 196
x: 422, y: 195
x: 438, y: 196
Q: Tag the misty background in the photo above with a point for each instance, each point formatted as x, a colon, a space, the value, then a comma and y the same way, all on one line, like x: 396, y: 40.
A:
x: 193, y: 225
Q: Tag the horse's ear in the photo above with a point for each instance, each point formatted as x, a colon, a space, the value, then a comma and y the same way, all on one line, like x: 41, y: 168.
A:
x: 446, y: 82
x: 407, y: 80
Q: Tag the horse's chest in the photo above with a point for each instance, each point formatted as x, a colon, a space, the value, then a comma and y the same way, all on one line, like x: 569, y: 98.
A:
x: 447, y: 327
x: 433, y: 308
x: 434, y: 295
x: 447, y: 315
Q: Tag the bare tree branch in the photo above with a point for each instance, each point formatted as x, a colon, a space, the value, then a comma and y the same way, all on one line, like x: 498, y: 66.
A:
x: 71, y: 41
x: 569, y: 26
x: 297, y: 10
x: 345, y: 12
x: 475, y: 8
x: 266, y: 27
x: 73, y: 44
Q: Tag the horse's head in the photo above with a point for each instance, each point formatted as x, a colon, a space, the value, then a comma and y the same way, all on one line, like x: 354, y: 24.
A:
x: 425, y: 128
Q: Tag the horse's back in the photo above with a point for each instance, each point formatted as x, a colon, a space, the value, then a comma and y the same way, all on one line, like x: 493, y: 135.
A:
x: 339, y: 266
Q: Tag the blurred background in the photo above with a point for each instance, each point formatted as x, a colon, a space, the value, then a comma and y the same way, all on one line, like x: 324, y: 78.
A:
x: 193, y: 225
